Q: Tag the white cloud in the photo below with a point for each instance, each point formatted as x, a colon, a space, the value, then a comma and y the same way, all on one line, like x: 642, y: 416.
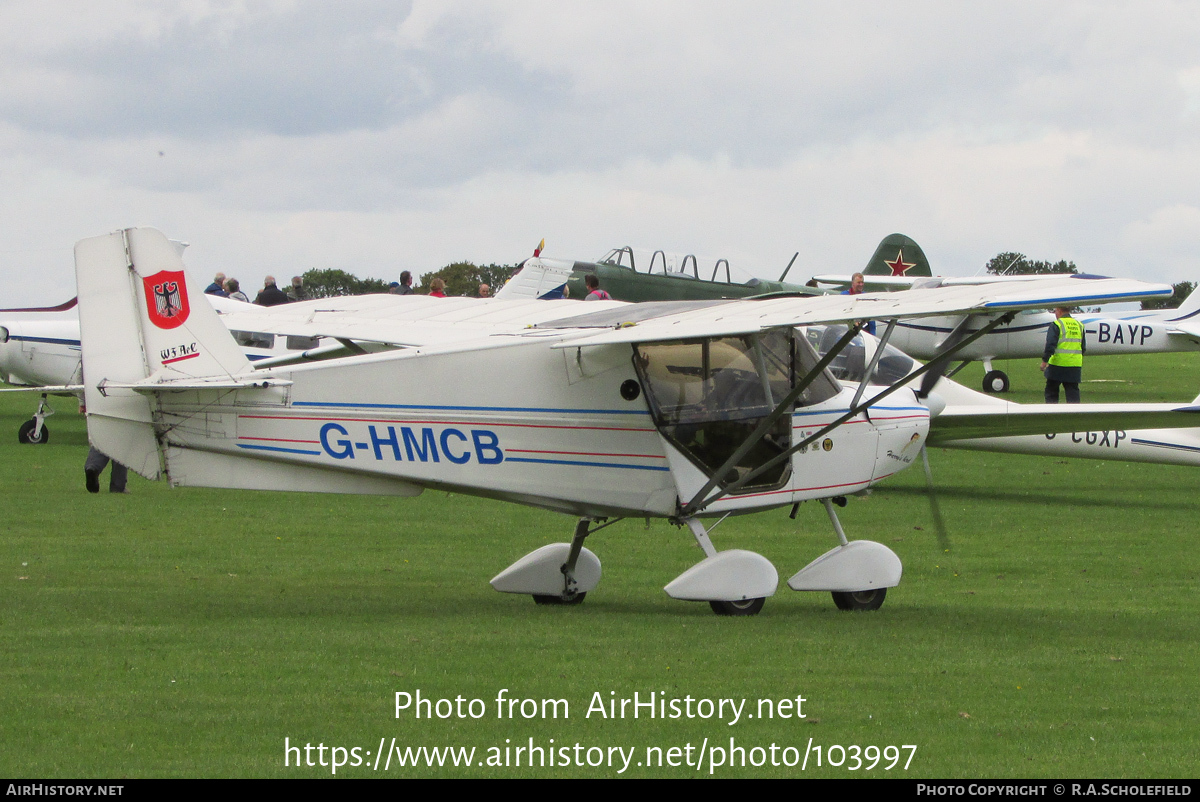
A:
x: 379, y: 138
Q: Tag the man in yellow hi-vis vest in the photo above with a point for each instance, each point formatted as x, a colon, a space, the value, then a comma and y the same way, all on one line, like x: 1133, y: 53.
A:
x: 1062, y: 360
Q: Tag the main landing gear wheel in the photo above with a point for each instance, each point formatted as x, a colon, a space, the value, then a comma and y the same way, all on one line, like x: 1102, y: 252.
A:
x: 559, y: 600
x: 860, y: 600
x: 25, y: 433
x: 743, y: 607
x: 996, y: 381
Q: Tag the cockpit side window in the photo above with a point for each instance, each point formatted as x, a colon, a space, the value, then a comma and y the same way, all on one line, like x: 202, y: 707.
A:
x: 707, y: 396
x: 851, y: 363
x: 824, y: 386
x: 254, y: 339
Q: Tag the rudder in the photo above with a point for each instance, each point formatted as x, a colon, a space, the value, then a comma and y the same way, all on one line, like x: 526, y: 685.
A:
x: 898, y: 255
x: 141, y: 317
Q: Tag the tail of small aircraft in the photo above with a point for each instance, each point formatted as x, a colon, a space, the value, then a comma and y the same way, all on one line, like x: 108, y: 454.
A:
x: 539, y: 277
x: 898, y: 255
x: 1189, y: 307
x: 141, y: 317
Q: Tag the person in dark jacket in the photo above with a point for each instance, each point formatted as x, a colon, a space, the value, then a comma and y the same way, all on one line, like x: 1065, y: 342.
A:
x: 270, y: 295
x: 296, y: 292
x: 217, y: 287
x: 1062, y: 359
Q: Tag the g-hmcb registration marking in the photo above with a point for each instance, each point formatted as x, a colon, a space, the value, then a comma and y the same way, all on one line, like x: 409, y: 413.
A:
x: 419, y: 445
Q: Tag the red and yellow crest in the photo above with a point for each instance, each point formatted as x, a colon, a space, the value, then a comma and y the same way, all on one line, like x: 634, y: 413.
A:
x: 166, y: 298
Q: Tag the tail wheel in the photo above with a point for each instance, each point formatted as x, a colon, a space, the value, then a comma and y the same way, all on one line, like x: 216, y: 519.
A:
x: 860, y: 599
x: 25, y: 433
x: 743, y: 607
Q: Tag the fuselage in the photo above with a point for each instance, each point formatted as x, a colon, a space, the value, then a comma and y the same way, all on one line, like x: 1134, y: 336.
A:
x: 604, y: 431
x: 40, y: 352
x: 1025, y: 337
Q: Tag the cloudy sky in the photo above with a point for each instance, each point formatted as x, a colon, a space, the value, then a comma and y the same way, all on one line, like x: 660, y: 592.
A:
x: 382, y: 136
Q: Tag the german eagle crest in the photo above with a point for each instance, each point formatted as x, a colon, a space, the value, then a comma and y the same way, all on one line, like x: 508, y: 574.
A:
x: 166, y: 298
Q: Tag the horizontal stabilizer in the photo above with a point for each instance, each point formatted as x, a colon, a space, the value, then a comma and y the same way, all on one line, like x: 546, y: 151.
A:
x: 52, y: 389
x: 1189, y: 329
x: 175, y: 386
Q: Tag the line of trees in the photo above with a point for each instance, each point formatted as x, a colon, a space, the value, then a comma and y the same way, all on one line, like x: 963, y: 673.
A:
x: 1012, y: 263
x: 1182, y: 290
x: 462, y: 279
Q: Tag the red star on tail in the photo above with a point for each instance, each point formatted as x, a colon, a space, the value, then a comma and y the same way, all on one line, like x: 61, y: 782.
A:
x: 899, y: 266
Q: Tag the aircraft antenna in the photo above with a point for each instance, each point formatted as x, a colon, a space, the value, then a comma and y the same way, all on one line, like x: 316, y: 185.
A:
x: 789, y: 266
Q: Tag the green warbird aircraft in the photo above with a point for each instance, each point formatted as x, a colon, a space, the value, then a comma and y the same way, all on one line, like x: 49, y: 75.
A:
x: 896, y: 261
x: 623, y: 280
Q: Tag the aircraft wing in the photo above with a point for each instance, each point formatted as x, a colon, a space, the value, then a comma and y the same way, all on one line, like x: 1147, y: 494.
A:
x: 423, y: 322
x: 905, y: 282
x: 970, y: 422
x: 407, y: 320
x: 748, y: 317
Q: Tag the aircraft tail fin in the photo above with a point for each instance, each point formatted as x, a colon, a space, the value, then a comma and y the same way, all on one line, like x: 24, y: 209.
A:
x: 539, y: 277
x: 898, y: 255
x: 142, y: 317
x: 1189, y: 307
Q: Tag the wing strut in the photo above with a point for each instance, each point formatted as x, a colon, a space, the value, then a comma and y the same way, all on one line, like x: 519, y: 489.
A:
x: 699, y: 501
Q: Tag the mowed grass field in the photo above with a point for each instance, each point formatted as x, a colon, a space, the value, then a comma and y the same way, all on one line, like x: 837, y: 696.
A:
x: 187, y: 633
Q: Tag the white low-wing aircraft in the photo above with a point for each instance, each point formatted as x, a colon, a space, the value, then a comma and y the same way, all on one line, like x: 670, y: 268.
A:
x: 40, y: 353
x: 602, y: 410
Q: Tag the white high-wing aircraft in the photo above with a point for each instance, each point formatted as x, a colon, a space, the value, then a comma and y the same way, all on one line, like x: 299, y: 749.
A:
x: 889, y: 365
x: 40, y: 353
x: 1025, y: 338
x: 603, y: 410
x: 900, y: 264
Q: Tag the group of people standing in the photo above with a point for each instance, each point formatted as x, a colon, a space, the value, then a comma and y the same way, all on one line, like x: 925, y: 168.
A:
x: 269, y: 295
x: 437, y: 287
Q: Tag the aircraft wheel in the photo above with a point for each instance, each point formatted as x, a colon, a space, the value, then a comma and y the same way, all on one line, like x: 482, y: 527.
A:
x: 860, y: 600
x: 25, y: 433
x: 996, y: 381
x: 743, y: 607
x: 559, y: 600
